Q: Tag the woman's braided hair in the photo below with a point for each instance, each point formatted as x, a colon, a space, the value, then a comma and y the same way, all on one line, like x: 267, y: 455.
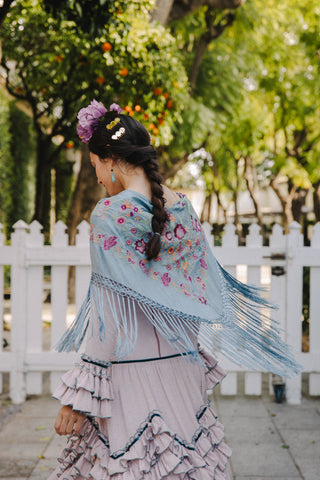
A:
x: 133, y: 146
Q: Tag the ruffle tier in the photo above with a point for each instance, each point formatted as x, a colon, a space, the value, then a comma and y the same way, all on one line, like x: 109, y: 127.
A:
x: 154, y: 453
x: 87, y: 388
x: 213, y: 372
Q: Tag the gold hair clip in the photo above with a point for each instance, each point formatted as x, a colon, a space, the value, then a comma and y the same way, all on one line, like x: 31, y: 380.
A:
x: 112, y: 124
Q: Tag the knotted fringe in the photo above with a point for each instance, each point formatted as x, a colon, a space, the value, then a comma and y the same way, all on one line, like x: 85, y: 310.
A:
x: 252, y: 338
x: 245, y: 334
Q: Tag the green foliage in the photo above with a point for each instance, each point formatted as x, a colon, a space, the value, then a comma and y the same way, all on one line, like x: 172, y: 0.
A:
x: 5, y: 155
x: 21, y: 170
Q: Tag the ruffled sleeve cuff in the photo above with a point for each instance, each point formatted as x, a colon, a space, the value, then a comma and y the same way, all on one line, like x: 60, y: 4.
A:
x: 87, y: 388
x: 213, y: 372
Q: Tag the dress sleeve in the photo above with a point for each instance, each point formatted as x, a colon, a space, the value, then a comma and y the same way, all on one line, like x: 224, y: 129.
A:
x: 87, y: 387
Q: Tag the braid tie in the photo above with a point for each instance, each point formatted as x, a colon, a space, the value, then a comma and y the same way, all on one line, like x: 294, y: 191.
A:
x: 151, y: 168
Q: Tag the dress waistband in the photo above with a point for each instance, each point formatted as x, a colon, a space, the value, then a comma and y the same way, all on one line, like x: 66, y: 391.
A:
x: 94, y: 362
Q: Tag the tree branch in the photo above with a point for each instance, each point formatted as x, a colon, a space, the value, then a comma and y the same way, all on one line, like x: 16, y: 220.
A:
x: 213, y: 32
x: 182, y: 8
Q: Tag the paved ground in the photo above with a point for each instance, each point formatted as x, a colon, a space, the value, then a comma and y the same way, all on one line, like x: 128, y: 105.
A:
x: 270, y: 441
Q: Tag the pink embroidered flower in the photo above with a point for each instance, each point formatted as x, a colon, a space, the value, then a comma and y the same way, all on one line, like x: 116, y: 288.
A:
x: 123, y: 207
x: 136, y: 209
x: 107, y: 203
x: 168, y: 267
x: 165, y: 279
x: 169, y: 236
x: 157, y: 259
x: 179, y: 231
x: 178, y: 264
x: 203, y: 263
x: 133, y: 230
x: 142, y: 265
x: 109, y: 242
x: 202, y: 300
x: 120, y: 220
x: 129, y: 242
x: 140, y: 245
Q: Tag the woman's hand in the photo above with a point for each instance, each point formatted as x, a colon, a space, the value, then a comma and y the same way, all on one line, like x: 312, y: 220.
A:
x: 68, y: 421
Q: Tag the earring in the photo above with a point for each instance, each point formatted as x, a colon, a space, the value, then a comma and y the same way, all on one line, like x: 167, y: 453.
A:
x: 113, y: 178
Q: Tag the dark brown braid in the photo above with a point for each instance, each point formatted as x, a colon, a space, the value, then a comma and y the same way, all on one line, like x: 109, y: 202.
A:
x: 134, y: 147
x: 159, y: 218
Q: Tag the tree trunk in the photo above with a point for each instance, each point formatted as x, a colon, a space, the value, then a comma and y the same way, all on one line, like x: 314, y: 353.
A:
x: 236, y: 214
x: 298, y: 201
x: 316, y: 200
x: 162, y: 11
x: 43, y: 186
x: 286, y: 202
x: 206, y: 209
x: 250, y: 176
x: 199, y: 53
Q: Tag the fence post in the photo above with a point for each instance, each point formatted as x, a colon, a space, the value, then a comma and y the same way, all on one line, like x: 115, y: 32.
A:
x: 18, y: 311
x: 314, y: 326
x: 230, y: 239
x: 1, y: 299
x: 34, y: 275
x: 252, y: 380
x: 294, y: 308
x: 278, y: 285
x: 59, y: 295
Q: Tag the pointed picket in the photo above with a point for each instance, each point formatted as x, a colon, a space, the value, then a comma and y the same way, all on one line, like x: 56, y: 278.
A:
x: 59, y: 294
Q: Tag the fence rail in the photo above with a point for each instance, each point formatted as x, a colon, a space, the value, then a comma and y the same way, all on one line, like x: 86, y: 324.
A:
x: 30, y: 348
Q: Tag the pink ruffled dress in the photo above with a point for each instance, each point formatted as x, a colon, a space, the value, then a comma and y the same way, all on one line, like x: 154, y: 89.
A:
x: 148, y: 417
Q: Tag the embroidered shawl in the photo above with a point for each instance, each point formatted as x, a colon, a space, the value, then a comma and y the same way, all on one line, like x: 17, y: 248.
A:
x: 184, y: 292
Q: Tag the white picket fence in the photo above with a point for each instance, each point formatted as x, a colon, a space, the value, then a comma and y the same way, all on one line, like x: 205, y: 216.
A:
x: 26, y: 358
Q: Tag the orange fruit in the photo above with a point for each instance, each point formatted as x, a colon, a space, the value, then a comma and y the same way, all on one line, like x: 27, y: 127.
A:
x: 166, y: 95
x: 137, y: 108
x: 156, y: 131
x: 128, y: 109
x: 169, y: 103
x: 106, y: 47
x: 152, y: 126
x: 101, y: 80
x: 124, y: 72
x: 157, y: 91
x: 70, y: 144
x: 146, y: 115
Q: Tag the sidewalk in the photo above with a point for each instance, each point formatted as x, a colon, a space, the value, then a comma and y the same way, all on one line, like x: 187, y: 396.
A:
x: 270, y: 441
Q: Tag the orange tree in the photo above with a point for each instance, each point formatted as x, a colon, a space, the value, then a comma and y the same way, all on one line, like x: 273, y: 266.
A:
x: 54, y: 67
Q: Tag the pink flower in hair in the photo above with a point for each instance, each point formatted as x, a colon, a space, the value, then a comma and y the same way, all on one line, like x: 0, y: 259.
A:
x: 88, y: 119
x: 116, y: 108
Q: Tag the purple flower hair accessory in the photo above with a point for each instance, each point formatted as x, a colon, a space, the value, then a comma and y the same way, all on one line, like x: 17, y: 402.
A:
x: 115, y: 107
x: 89, y: 118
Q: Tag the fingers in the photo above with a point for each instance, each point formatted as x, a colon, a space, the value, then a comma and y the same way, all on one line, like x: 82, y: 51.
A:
x: 68, y: 421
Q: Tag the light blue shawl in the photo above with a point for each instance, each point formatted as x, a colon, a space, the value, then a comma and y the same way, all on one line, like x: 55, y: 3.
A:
x: 183, y: 292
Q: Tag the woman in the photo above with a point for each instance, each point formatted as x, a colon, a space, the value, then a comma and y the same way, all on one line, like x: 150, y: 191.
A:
x: 136, y: 406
